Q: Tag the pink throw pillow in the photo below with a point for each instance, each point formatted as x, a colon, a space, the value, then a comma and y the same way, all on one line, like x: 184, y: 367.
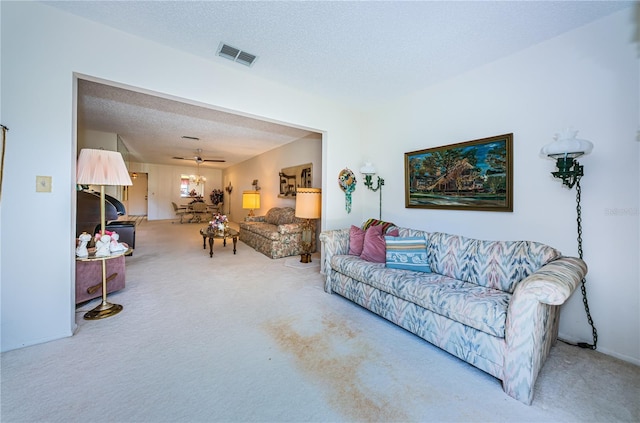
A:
x: 374, y: 248
x: 356, y: 240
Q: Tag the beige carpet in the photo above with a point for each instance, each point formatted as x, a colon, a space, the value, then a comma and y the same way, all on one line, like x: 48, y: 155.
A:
x: 294, y: 262
x: 238, y: 338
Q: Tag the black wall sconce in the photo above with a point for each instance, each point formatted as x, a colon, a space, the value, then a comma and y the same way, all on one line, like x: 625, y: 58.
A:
x: 368, y: 171
x: 565, y: 149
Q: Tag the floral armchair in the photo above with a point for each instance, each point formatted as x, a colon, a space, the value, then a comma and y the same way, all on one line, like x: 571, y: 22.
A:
x: 277, y: 234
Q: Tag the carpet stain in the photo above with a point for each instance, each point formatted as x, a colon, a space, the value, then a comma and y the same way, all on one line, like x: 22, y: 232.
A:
x: 336, y: 357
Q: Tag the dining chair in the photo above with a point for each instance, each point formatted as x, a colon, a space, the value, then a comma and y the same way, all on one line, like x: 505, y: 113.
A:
x: 179, y: 211
x: 198, y: 211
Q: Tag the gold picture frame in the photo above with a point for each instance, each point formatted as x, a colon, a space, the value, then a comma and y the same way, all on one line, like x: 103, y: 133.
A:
x: 471, y: 175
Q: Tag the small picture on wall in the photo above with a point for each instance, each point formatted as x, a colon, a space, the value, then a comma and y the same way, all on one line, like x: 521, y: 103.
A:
x: 294, y: 177
x: 472, y: 175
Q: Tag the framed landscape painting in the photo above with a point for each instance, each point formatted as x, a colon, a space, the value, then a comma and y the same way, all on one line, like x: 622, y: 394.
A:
x: 472, y: 175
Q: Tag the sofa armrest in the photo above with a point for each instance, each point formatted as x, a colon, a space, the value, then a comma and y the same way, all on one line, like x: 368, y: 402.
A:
x: 553, y: 283
x: 532, y: 322
x: 334, y: 242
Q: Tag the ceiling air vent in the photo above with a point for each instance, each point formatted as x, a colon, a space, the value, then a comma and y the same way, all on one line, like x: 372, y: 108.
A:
x: 236, y: 55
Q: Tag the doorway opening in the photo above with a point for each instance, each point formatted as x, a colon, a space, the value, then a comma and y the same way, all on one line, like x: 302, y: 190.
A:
x: 136, y: 200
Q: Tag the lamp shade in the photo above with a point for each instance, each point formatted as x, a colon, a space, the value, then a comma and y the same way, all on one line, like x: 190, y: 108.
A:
x: 101, y: 167
x: 308, y: 203
x: 368, y: 169
x: 251, y: 200
x: 566, y: 144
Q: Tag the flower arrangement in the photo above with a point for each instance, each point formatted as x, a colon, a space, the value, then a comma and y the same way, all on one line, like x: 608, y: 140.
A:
x: 216, y: 196
x: 219, y: 221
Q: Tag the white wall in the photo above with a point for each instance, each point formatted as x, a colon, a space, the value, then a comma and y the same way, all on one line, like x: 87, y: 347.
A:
x: 42, y: 49
x: 164, y: 186
x: 97, y: 139
x: 265, y: 168
x: 587, y: 78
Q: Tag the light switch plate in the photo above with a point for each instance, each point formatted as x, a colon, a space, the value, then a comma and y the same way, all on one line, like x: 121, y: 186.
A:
x: 43, y: 183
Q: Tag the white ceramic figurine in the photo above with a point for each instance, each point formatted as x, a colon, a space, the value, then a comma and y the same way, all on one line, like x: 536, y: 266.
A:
x: 102, y: 245
x: 81, y: 250
x: 115, y: 246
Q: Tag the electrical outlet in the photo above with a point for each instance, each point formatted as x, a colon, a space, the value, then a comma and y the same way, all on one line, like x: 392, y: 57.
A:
x: 43, y: 183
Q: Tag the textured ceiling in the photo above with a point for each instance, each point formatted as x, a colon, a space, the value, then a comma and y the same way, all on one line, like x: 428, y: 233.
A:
x: 359, y: 53
x: 152, y: 127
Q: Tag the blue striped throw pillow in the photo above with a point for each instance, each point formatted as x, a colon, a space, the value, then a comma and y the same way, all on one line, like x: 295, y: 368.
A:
x: 408, y: 253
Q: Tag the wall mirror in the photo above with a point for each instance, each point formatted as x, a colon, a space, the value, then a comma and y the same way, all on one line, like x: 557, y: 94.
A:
x: 294, y: 177
x: 192, y: 186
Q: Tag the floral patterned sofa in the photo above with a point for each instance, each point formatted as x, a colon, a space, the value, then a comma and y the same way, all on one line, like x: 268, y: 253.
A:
x: 494, y: 304
x: 277, y: 234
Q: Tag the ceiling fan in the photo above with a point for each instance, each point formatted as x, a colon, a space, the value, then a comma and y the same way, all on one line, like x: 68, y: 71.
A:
x: 198, y: 159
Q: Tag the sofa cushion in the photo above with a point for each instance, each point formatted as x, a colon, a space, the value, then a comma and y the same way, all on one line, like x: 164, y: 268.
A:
x: 373, y: 248
x: 280, y: 215
x: 264, y: 229
x: 356, y: 240
x: 482, y: 308
x: 493, y: 264
x: 374, y: 222
x: 409, y: 253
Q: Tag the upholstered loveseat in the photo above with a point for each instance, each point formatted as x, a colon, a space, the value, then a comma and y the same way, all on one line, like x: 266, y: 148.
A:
x: 277, y: 234
x: 494, y: 304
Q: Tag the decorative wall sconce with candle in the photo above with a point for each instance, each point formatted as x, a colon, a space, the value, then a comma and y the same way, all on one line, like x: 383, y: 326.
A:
x: 368, y: 171
x: 564, y: 150
x: 229, y: 190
